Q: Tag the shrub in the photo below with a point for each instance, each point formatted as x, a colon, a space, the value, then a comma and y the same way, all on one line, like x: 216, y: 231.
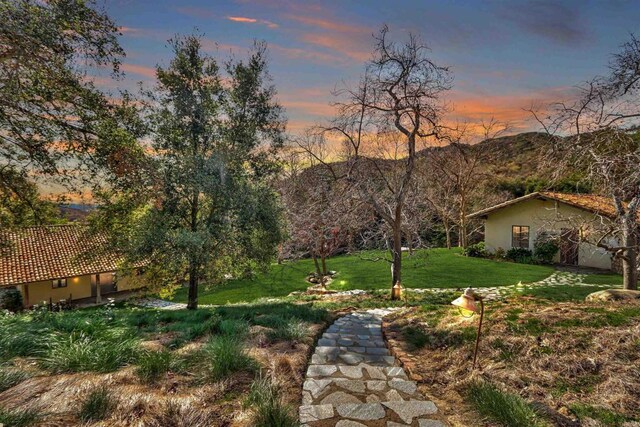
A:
x: 519, y: 255
x: 78, y: 351
x: 10, y: 377
x: 545, y: 251
x: 17, y: 342
x: 288, y: 331
x: 153, y: 364
x: 477, y: 250
x: 10, y: 299
x: 232, y: 327
x: 225, y: 355
x: 499, y: 253
x: 19, y: 418
x: 268, y: 408
x: 504, y: 408
x: 97, y: 405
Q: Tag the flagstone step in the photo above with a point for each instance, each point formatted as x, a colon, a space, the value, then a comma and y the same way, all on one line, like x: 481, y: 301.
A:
x: 405, y: 411
x: 337, y: 390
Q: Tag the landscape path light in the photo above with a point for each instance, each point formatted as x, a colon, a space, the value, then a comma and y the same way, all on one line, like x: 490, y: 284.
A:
x: 468, y: 301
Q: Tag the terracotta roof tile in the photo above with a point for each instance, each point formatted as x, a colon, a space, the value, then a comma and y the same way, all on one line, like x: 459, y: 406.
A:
x: 54, y: 252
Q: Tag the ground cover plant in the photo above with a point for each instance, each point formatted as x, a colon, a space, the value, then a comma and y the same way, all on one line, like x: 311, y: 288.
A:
x: 542, y: 361
x: 433, y: 268
x: 128, y: 365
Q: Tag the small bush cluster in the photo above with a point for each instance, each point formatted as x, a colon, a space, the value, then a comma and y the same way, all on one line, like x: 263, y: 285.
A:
x: 19, y: 418
x: 78, y: 351
x: 268, y: 408
x: 289, y: 331
x: 521, y: 255
x: 97, y: 405
x: 225, y: 355
x: 544, y: 251
x: 152, y: 365
x: 504, y: 408
x: 477, y: 250
x: 10, y: 377
x: 10, y: 299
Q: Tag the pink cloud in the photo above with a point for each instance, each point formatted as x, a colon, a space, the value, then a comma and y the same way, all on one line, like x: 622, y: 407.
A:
x: 346, y: 38
x: 140, y: 70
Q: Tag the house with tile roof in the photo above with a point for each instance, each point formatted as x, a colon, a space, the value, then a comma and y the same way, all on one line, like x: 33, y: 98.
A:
x: 61, y: 262
x: 568, y: 218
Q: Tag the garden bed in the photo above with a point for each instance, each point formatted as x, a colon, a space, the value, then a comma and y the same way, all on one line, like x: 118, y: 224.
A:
x: 540, y: 363
x: 228, y: 366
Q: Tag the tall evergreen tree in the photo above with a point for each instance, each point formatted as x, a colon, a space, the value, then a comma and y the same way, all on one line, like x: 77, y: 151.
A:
x: 210, y: 212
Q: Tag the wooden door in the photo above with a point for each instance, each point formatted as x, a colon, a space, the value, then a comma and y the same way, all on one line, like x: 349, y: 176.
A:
x: 569, y: 246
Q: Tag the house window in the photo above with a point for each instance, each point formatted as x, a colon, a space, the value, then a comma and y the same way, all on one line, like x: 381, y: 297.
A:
x: 59, y: 283
x: 520, y: 236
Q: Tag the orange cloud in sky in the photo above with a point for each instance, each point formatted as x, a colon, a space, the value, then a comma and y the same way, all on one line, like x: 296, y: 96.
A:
x: 339, y: 43
x: 246, y: 20
x: 350, y: 40
x: 241, y: 19
x: 508, y: 108
x: 141, y: 70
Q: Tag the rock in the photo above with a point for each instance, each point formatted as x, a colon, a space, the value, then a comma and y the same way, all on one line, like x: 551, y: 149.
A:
x: 363, y: 411
x: 316, y: 387
x: 351, y: 385
x: 613, y: 295
x: 351, y: 371
x: 430, y: 423
x: 393, y: 396
x: 407, y: 411
x: 309, y: 413
x: 405, y: 386
x: 339, y: 398
x: 321, y: 370
x: 349, y: 423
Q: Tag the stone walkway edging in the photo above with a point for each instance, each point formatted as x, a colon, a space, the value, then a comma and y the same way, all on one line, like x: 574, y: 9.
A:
x: 406, y: 361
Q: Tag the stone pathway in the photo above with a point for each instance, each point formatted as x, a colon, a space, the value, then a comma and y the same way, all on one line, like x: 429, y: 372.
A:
x: 353, y: 380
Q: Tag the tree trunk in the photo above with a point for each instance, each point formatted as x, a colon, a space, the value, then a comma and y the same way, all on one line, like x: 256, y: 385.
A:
x: 630, y: 255
x: 462, y: 237
x: 396, y: 272
x: 323, y: 258
x: 447, y: 231
x: 315, y: 262
x: 192, y: 303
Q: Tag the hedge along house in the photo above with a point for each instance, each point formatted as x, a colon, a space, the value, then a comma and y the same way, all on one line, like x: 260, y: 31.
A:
x: 60, y: 262
x: 574, y: 221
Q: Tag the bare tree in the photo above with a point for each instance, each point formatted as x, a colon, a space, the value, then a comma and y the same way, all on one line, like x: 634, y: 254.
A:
x: 381, y: 124
x: 455, y: 177
x: 598, y: 133
x: 322, y: 216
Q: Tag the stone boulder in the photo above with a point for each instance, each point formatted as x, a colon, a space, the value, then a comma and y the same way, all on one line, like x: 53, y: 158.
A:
x: 613, y: 295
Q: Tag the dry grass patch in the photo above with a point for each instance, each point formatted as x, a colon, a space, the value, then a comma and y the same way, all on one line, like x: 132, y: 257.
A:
x: 573, y: 362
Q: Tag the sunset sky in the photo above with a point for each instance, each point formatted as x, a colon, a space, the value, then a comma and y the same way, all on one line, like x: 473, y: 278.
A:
x: 504, y: 54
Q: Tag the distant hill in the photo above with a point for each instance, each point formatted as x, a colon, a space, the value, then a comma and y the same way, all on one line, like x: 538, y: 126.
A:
x: 75, y: 212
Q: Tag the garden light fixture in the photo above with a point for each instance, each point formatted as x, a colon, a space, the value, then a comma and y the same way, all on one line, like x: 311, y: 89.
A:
x: 468, y: 302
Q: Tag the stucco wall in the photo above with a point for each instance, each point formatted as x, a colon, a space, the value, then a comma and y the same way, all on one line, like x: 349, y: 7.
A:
x: 78, y: 287
x: 542, y: 216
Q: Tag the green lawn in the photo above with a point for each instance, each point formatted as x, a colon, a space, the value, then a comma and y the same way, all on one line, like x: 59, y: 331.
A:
x: 425, y: 269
